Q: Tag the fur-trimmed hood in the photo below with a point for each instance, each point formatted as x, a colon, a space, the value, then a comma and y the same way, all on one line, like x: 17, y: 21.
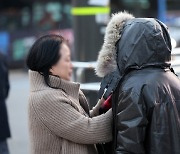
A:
x: 107, y: 56
x: 133, y: 43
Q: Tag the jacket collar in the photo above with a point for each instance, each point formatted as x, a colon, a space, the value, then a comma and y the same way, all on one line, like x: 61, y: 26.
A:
x: 37, y: 83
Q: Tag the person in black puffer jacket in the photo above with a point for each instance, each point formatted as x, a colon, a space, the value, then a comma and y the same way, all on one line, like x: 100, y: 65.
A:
x: 135, y: 61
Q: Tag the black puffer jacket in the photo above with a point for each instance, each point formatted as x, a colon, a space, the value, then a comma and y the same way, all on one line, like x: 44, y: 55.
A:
x: 146, y: 104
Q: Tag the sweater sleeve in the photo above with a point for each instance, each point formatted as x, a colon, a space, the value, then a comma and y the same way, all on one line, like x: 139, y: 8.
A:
x: 62, y: 119
x: 95, y: 110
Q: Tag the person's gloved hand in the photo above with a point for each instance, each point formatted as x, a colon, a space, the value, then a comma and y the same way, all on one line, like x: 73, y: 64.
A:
x: 109, y: 84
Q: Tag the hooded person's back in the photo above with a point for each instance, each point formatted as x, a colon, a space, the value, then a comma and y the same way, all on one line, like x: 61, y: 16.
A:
x: 146, y: 104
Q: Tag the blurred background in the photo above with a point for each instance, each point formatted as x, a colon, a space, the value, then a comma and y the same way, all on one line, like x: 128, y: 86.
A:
x: 83, y: 23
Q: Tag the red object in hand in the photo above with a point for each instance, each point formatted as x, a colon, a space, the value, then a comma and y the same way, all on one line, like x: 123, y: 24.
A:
x: 107, y: 103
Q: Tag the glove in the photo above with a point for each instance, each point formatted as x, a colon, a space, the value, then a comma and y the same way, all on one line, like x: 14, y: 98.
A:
x: 109, y: 84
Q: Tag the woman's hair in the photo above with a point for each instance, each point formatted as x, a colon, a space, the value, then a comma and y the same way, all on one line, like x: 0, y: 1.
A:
x: 44, y: 54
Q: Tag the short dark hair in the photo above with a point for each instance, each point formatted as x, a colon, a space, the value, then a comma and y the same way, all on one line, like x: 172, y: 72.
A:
x: 44, y: 53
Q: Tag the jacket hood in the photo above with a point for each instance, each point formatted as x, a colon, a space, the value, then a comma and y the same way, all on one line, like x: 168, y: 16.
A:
x: 142, y: 42
x: 106, y: 61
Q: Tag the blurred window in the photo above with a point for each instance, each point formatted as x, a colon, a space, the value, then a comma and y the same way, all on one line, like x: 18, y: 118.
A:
x: 51, y: 15
x: 10, y: 20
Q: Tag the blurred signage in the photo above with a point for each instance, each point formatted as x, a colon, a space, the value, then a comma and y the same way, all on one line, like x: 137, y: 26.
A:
x: 82, y: 11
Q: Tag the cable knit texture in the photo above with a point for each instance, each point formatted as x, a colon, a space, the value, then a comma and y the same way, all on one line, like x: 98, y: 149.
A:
x: 57, y: 122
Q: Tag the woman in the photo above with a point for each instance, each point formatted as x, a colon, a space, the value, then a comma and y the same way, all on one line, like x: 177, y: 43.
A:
x: 59, y: 118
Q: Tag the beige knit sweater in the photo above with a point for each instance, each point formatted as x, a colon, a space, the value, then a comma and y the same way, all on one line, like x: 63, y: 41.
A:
x: 57, y: 122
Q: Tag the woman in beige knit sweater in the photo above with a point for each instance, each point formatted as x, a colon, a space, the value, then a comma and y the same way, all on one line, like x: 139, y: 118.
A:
x: 59, y: 118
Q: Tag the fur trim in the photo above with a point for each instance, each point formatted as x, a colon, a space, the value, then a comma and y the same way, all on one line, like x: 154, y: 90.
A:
x: 106, y: 62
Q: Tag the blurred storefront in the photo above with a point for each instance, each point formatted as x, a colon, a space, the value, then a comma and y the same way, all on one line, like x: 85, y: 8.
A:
x: 22, y: 21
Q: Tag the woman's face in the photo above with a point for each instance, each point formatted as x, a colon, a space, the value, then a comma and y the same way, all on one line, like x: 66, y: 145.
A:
x: 63, y: 68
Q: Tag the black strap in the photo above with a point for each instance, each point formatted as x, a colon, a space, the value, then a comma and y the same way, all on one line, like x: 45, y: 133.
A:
x: 172, y: 70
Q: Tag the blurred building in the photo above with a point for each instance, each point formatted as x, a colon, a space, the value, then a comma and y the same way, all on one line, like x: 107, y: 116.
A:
x: 22, y: 21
